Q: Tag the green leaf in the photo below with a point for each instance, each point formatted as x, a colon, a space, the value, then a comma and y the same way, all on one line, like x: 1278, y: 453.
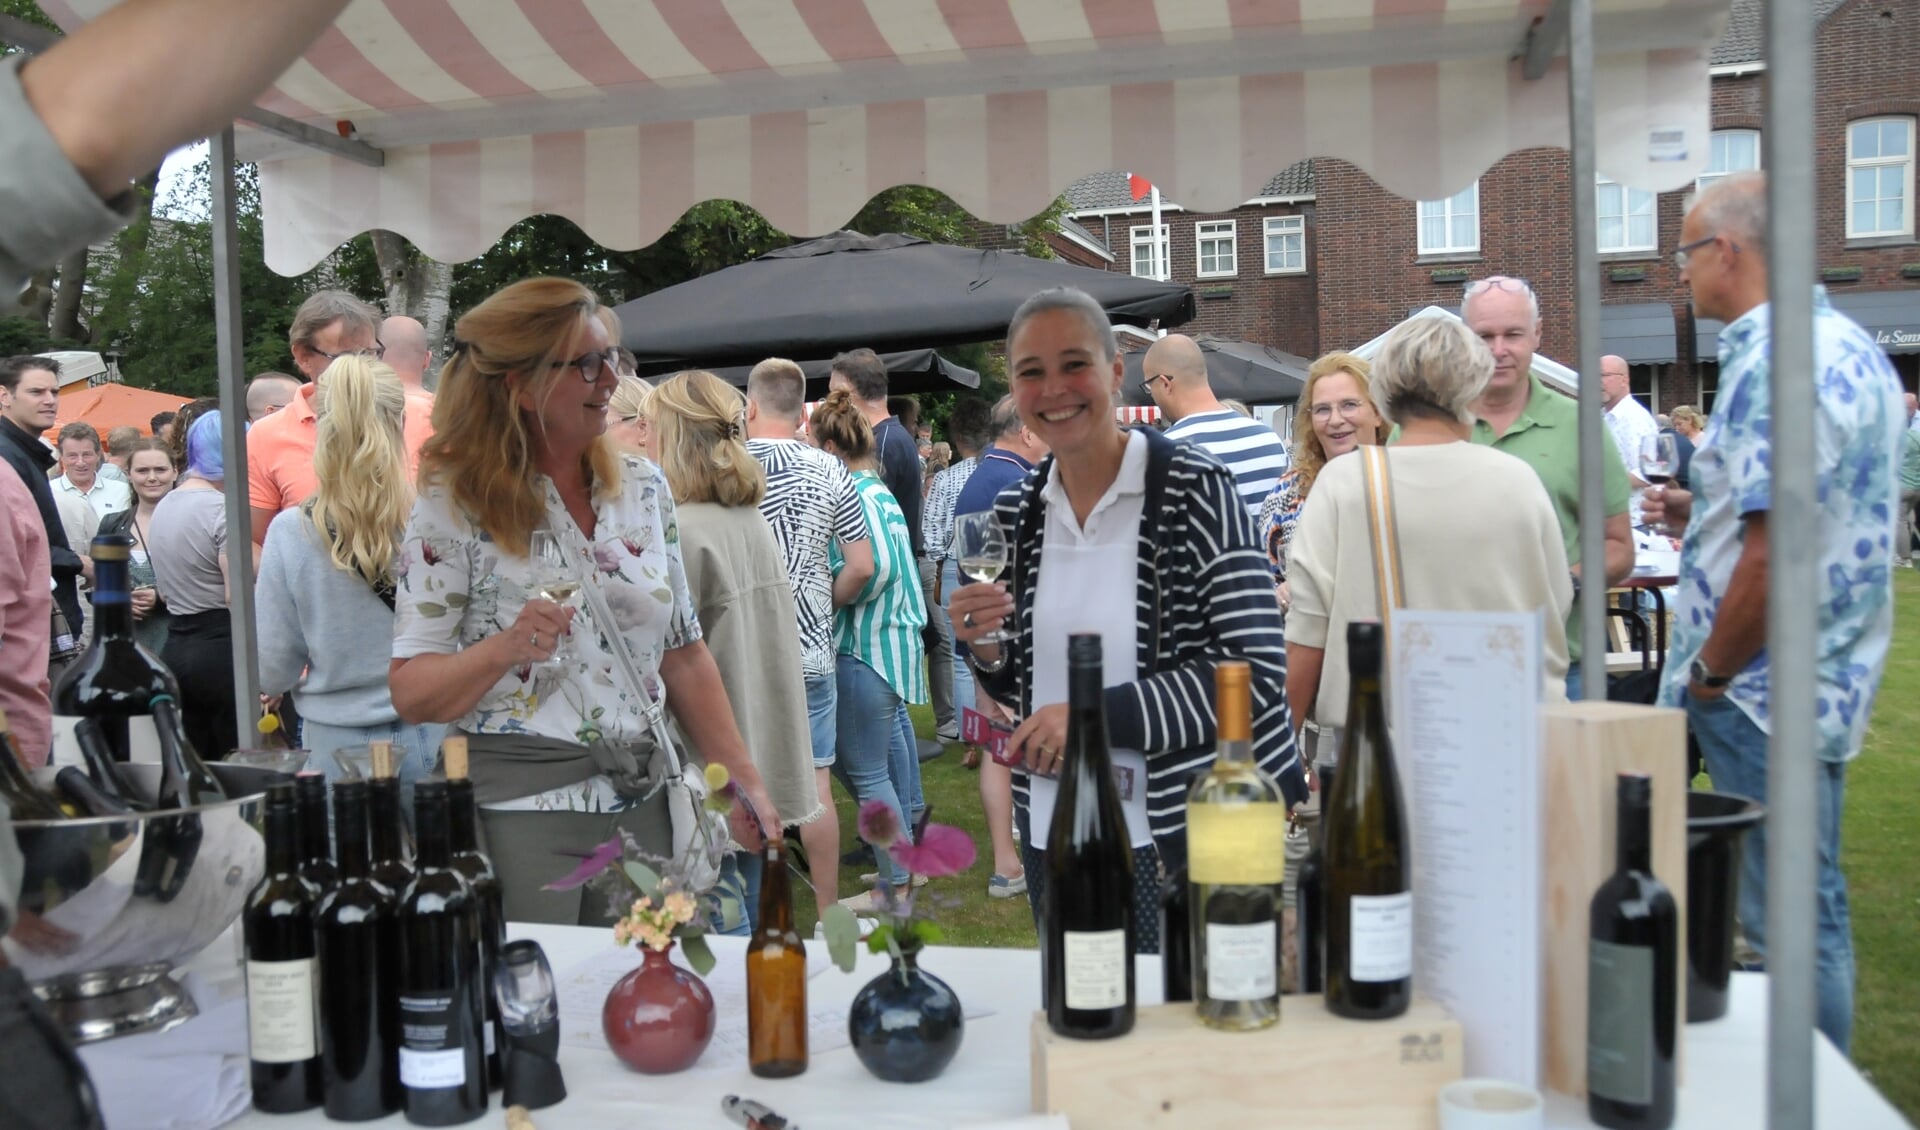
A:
x: 457, y: 599
x: 698, y: 955
x: 881, y: 940
x: 929, y: 933
x: 843, y: 934
x: 431, y: 609
x: 643, y: 877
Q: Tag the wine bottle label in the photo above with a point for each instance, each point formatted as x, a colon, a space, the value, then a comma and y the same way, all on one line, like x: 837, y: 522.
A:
x: 143, y: 741
x: 431, y: 1054
x: 1620, y: 1021
x: 280, y: 1013
x: 1241, y: 961
x: 1381, y: 946
x: 488, y: 1029
x: 1096, y: 964
x: 1236, y: 844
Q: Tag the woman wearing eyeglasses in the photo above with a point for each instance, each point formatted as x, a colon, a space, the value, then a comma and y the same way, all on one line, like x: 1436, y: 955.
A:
x: 627, y: 423
x: 520, y: 446
x: 1335, y: 416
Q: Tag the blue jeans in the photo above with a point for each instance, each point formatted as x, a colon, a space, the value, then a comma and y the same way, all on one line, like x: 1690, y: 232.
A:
x: 868, y: 754
x: 739, y: 877
x: 415, y: 749
x: 904, y: 758
x: 1736, y: 754
x: 822, y: 717
x: 962, y: 671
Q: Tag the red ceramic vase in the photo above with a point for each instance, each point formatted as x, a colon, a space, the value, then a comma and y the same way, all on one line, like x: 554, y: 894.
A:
x: 658, y: 1018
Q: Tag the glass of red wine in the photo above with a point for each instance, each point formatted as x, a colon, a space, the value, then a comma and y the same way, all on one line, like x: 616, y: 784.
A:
x: 1657, y: 460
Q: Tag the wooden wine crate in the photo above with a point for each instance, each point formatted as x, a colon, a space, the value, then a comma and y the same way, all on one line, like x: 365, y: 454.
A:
x: 1586, y: 746
x: 1311, y: 1069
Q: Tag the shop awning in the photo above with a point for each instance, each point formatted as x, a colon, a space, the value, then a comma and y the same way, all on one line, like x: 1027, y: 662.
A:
x: 622, y: 115
x: 1891, y: 316
x: 1641, y: 332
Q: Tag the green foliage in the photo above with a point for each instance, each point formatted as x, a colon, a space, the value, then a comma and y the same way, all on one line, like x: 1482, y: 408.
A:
x: 24, y: 335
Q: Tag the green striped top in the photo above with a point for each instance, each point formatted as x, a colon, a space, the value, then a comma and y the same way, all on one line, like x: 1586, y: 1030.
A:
x: 882, y: 626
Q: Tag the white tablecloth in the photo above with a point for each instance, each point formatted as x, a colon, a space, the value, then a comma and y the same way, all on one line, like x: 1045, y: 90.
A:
x: 988, y: 1081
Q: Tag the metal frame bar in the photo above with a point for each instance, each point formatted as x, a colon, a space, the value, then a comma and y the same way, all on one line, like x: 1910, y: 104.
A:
x: 1544, y: 38
x: 1586, y: 321
x: 233, y: 419
x: 1793, y: 573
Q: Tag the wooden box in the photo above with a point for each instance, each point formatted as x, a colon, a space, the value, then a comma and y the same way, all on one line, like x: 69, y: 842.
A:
x: 1586, y: 746
x: 1311, y: 1069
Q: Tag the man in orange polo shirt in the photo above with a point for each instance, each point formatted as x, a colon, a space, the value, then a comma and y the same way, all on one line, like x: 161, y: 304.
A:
x: 329, y: 324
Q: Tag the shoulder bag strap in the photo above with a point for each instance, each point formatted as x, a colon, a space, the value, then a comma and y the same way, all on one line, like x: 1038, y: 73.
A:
x: 1383, y: 527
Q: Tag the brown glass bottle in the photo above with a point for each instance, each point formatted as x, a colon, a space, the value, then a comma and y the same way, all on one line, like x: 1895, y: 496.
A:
x: 776, y: 976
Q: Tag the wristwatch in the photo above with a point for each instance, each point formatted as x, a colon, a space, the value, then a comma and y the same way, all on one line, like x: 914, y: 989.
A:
x: 1704, y: 675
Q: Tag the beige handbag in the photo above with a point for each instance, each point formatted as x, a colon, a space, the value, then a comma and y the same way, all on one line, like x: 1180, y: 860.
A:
x: 1383, y: 526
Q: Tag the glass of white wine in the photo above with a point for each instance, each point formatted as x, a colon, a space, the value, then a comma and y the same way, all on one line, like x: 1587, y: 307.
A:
x: 981, y: 549
x: 554, y: 578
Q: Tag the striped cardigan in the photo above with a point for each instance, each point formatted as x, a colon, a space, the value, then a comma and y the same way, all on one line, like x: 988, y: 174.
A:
x: 1204, y: 594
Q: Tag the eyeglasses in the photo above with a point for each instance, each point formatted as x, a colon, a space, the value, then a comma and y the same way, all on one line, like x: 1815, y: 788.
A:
x: 590, y: 364
x: 1146, y: 384
x: 376, y: 353
x: 1499, y: 282
x: 1346, y: 408
x: 1683, y: 253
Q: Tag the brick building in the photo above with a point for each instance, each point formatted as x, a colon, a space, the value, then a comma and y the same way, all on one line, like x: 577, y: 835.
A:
x: 1325, y: 258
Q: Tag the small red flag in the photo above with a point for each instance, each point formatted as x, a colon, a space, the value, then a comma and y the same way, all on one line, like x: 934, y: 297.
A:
x: 1138, y: 185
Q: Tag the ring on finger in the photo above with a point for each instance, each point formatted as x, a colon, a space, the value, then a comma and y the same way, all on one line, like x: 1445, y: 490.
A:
x: 967, y: 620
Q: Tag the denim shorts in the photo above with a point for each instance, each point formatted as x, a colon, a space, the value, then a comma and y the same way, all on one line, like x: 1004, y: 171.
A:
x: 822, y: 709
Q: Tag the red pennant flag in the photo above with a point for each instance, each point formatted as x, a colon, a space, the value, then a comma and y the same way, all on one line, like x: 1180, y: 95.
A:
x: 1139, y: 185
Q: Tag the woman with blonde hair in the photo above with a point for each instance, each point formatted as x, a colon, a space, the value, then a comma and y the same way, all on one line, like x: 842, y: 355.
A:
x: 881, y: 666
x: 627, y: 422
x: 325, y: 594
x: 738, y: 578
x: 1335, y: 415
x: 560, y: 739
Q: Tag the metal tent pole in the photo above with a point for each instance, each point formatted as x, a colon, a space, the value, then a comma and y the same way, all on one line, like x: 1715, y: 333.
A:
x: 1586, y: 320
x: 233, y: 418
x: 1792, y: 534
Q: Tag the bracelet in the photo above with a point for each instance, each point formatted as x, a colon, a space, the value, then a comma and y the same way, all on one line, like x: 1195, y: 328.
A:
x: 984, y: 668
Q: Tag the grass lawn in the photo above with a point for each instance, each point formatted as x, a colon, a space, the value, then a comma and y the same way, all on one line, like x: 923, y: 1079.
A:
x: 1881, y: 841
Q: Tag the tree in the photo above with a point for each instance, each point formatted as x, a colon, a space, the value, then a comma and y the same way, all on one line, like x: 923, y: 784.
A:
x: 415, y: 285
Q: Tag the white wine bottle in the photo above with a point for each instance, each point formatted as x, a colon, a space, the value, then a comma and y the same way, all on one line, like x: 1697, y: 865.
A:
x: 1236, y: 862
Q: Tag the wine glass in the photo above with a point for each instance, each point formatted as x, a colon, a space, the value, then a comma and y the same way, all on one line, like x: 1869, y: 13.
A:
x: 1658, y: 457
x: 554, y: 578
x: 981, y: 549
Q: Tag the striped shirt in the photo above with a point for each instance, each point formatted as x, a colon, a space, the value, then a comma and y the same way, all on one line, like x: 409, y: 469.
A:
x: 1202, y: 594
x: 882, y: 626
x: 1250, y: 449
x: 812, y: 506
x: 936, y: 524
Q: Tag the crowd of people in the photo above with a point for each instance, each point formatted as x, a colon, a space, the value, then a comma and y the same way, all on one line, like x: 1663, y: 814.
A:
x: 574, y: 568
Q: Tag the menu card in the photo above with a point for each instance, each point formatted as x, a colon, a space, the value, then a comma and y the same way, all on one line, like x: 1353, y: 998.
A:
x: 1464, y: 695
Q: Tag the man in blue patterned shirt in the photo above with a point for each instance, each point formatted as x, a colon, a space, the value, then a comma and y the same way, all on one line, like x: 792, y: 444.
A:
x: 1718, y: 668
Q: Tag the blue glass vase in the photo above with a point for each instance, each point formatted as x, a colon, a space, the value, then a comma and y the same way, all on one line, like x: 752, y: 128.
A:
x: 906, y: 1025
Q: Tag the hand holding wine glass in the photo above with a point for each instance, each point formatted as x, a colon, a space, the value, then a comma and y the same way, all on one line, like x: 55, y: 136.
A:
x: 981, y: 550
x: 1658, y: 458
x: 557, y: 580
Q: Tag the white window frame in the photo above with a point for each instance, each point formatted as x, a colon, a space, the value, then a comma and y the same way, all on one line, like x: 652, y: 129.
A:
x: 1446, y: 210
x: 1628, y: 197
x: 1717, y: 158
x: 1214, y: 231
x: 1138, y: 238
x: 1292, y: 229
x: 1906, y: 189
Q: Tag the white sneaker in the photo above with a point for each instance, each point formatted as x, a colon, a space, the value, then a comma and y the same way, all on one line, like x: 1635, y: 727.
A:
x: 873, y: 877
x: 862, y: 903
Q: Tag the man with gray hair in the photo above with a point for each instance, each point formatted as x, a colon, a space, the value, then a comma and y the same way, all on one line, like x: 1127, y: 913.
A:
x: 404, y: 346
x: 1523, y: 417
x: 329, y: 325
x: 1717, y: 668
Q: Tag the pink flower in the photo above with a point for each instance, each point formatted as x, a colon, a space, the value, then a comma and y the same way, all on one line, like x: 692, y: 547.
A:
x: 606, y: 558
x: 600, y: 859
x: 943, y: 850
x: 878, y: 824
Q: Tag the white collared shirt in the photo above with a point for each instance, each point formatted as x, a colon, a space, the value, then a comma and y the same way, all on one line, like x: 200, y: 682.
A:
x: 108, y: 496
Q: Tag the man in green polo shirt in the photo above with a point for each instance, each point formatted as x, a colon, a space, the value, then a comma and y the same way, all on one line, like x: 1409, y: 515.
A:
x: 1523, y: 417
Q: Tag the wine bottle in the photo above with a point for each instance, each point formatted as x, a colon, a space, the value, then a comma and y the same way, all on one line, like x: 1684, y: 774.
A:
x: 1176, y: 938
x: 1088, y: 910
x: 116, y: 679
x: 17, y: 791
x: 472, y: 862
x: 1365, y: 859
x: 392, y: 864
x: 185, y: 780
x: 316, y: 852
x: 88, y: 799
x: 776, y: 975
x: 1237, y: 863
x: 359, y: 950
x: 1309, y: 901
x: 442, y: 1048
x: 277, y: 928
x: 1632, y: 974
x: 102, y: 769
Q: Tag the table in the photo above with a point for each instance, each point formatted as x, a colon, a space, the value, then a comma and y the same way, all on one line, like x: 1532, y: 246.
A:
x: 989, y: 1079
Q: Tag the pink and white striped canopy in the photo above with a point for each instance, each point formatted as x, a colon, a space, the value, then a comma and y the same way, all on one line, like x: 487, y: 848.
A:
x: 621, y: 114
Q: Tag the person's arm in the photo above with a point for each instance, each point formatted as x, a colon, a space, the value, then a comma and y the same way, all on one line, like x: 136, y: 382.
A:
x: 1619, y: 535
x: 283, y: 645
x: 855, y: 571
x: 1303, y: 680
x: 1740, y: 624
x: 145, y: 77
x: 1619, y: 528
x: 700, y: 705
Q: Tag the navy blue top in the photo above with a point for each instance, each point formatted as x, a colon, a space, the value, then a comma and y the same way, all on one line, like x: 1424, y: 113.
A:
x: 997, y: 470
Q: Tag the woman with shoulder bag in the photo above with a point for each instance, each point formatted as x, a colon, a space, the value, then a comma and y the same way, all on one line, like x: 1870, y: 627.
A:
x: 561, y: 704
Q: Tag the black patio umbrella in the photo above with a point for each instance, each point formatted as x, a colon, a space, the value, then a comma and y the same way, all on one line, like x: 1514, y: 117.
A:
x: 908, y: 372
x: 1238, y: 370
x: 884, y: 292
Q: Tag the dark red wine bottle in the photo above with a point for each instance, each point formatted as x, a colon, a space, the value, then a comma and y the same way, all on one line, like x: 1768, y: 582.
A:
x: 1633, y: 954
x: 359, y: 950
x: 442, y: 1043
x: 283, y: 1033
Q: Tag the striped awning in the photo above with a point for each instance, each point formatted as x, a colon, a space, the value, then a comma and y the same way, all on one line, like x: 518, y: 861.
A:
x: 621, y: 114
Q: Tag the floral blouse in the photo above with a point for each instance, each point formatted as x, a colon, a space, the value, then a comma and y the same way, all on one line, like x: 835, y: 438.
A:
x: 456, y: 588
x: 1278, y: 516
